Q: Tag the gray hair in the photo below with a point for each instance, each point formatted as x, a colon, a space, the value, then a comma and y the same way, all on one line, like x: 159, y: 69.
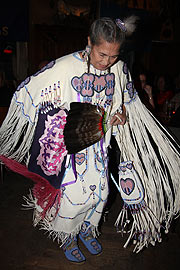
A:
x: 107, y: 29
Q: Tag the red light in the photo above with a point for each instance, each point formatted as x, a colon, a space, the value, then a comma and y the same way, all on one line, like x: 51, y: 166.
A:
x: 173, y: 112
x: 8, y: 51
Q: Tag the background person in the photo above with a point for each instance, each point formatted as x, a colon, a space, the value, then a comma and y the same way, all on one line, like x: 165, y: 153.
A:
x: 144, y: 88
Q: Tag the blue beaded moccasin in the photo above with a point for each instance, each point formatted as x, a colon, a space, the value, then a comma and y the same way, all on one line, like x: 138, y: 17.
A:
x: 72, y: 251
x: 88, y: 239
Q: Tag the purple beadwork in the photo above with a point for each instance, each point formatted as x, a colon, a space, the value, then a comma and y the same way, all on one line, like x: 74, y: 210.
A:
x: 121, y: 25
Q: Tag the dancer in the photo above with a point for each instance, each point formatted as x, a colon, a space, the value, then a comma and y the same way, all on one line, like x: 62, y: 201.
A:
x: 71, y: 189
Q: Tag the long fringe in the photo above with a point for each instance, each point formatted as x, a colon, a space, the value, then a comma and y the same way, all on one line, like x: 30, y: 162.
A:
x: 16, y: 134
x: 45, y: 223
x: 156, y: 158
x: 145, y: 228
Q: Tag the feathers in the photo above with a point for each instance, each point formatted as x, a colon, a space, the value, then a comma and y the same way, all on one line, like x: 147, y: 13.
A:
x: 130, y: 24
x: 86, y: 125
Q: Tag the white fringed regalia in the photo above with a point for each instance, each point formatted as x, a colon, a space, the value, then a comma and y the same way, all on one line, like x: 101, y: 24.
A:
x: 70, y: 189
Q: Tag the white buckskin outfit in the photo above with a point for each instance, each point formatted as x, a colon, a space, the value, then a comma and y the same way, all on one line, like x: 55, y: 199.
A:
x: 151, y: 188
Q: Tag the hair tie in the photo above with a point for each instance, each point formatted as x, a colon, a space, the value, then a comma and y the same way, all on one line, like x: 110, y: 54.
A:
x: 121, y: 25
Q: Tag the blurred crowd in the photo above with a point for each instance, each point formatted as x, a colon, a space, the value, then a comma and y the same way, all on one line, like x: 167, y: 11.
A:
x: 160, y: 93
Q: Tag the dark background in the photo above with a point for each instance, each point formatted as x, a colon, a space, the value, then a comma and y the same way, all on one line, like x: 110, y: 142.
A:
x: 48, y: 33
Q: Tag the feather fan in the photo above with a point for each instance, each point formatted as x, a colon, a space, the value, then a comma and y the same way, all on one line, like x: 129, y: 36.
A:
x: 86, y: 124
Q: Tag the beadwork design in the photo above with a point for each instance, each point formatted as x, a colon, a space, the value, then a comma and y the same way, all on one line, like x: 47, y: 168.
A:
x: 130, y: 89
x: 121, y: 25
x: 22, y: 84
x: 89, y: 83
x: 125, y: 68
x: 48, y: 66
x: 53, y: 149
x: 50, y: 98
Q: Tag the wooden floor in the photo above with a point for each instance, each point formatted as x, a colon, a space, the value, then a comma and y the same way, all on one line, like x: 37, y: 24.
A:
x: 23, y: 247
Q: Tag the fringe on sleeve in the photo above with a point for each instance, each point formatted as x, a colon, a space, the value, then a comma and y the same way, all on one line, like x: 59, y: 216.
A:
x: 16, y: 134
x: 155, y: 155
